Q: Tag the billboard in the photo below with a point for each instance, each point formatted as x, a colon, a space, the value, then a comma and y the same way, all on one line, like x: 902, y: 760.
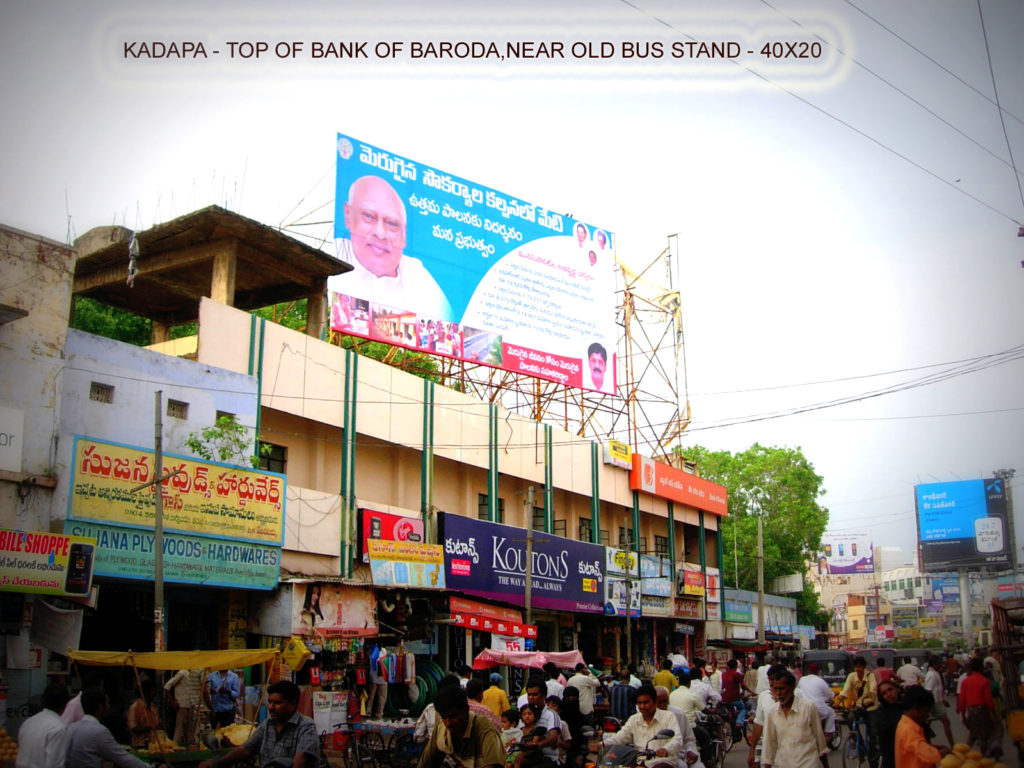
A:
x: 963, y: 524
x: 665, y: 481
x: 40, y: 563
x: 488, y: 560
x: 386, y: 526
x: 447, y: 266
x: 846, y: 552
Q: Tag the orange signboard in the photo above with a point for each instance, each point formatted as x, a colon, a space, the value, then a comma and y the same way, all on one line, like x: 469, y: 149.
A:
x: 667, y: 482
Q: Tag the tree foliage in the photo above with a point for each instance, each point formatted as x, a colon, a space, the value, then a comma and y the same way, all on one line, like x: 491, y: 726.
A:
x: 779, y: 484
x: 417, y: 363
x: 100, y: 319
x: 226, y: 441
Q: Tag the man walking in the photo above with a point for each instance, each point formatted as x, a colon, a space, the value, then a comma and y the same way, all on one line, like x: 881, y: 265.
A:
x: 43, y: 738
x: 792, y: 735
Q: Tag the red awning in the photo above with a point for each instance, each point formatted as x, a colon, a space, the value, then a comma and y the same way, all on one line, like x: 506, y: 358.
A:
x: 473, y: 614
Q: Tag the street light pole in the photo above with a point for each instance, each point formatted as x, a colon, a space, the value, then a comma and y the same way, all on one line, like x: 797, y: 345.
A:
x: 760, y: 579
x: 158, y: 529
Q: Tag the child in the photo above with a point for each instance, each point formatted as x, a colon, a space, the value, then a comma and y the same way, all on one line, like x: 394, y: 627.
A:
x: 511, y: 732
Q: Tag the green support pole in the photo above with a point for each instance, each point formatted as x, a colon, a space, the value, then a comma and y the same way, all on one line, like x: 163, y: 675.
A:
x: 672, y: 534
x: 427, y: 458
x: 636, y: 521
x: 595, y: 493
x: 720, y: 551
x: 259, y: 387
x: 703, y: 558
x: 492, y: 462
x: 549, y: 481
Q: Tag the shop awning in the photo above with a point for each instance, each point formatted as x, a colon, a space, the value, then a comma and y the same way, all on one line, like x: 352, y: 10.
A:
x: 175, y: 660
x: 472, y: 614
x: 488, y: 658
x: 750, y: 645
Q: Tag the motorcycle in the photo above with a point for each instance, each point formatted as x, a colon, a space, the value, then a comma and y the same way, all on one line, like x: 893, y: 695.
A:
x: 629, y: 755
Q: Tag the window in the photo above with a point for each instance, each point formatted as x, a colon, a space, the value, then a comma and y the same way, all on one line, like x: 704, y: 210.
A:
x: 661, y: 545
x: 481, y: 508
x: 273, y: 458
x: 101, y: 393
x: 537, y: 522
x: 625, y: 538
x: 917, y: 581
x: 586, y: 529
x: 177, y: 409
x: 856, y: 624
x: 903, y: 583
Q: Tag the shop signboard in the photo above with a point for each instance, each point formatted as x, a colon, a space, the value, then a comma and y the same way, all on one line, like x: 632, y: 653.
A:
x: 489, y: 560
x: 946, y: 587
x: 201, y: 497
x: 618, y: 454
x: 738, y: 612
x: 654, y: 605
x: 40, y: 563
x: 690, y: 582
x: 128, y: 553
x: 846, y: 552
x: 615, y: 597
x: 689, y: 608
x: 406, y: 564
x: 495, y: 619
x: 963, y: 524
x: 389, y: 527
x: 667, y: 482
x: 713, y: 584
x: 448, y: 266
x: 655, y: 575
x: 714, y: 611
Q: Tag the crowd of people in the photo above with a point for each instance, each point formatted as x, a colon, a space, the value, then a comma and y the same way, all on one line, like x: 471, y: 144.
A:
x: 793, y: 712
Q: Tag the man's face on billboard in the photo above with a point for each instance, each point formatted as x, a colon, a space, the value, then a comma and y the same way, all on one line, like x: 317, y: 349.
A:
x: 376, y: 225
x: 597, y: 369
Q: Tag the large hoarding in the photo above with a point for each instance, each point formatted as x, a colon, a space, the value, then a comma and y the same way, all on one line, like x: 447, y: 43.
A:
x: 845, y: 552
x: 447, y: 266
x: 963, y: 524
x: 488, y: 560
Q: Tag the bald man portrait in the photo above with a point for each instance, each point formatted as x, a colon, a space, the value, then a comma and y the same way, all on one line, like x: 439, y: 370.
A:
x: 381, y: 271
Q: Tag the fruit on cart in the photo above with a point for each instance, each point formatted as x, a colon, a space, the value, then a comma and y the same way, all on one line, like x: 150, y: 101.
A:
x: 8, y: 749
x: 234, y: 734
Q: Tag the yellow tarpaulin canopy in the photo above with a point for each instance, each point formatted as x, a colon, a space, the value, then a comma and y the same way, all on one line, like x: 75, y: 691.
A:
x: 175, y: 659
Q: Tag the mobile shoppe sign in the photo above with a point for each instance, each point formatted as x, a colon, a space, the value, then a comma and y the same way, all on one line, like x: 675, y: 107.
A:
x: 963, y: 525
x: 447, y: 266
x: 223, y: 525
x: 35, y: 562
x: 489, y: 560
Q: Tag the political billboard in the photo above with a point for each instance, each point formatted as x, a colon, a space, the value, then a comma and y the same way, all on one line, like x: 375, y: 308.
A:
x: 844, y: 552
x: 447, y: 266
x: 963, y: 524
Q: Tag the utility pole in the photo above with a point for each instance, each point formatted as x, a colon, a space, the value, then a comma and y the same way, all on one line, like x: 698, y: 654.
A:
x: 629, y: 601
x: 158, y: 528
x: 760, y: 577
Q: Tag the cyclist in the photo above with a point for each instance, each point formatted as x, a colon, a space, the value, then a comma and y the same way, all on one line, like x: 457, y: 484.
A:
x: 861, y: 695
x: 732, y: 692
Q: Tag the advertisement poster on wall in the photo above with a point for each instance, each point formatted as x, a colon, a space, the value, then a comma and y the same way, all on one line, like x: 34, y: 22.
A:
x: 451, y: 267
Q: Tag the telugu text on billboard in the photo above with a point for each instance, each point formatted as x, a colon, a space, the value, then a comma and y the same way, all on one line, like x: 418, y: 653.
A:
x: 201, y: 497
x: 406, y: 564
x: 489, y: 560
x: 40, y: 563
x: 846, y: 552
x: 389, y: 527
x: 963, y: 524
x: 447, y: 266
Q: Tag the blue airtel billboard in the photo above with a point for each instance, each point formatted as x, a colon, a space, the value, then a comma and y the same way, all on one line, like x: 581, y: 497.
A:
x: 963, y: 524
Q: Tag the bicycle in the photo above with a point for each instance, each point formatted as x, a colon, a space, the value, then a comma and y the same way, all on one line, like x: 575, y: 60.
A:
x: 855, y: 747
x: 713, y: 735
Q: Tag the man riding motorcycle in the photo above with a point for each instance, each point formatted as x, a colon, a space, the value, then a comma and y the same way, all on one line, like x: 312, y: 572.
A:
x: 641, y: 729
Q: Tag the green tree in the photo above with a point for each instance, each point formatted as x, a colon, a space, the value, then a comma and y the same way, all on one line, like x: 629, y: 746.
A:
x: 417, y: 363
x: 781, y: 486
x: 112, y: 323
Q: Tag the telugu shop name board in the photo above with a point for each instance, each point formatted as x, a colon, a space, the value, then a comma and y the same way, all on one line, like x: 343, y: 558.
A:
x: 667, y: 482
x: 40, y: 563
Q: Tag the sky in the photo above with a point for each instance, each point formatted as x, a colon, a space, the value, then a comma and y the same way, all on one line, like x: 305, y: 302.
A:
x: 842, y: 224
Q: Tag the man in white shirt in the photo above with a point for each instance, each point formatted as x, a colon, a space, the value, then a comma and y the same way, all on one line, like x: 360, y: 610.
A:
x: 688, y: 753
x: 703, y: 689
x: 641, y: 728
x: 684, y: 699
x: 814, y: 688
x: 43, y: 738
x: 381, y: 272
x: 933, y: 683
x: 792, y: 734
x: 910, y: 673
x: 588, y: 686
x: 536, y: 692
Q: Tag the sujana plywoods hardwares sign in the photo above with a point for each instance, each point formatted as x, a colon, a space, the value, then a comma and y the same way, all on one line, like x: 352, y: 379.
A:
x: 445, y: 265
x: 203, y: 497
x: 489, y: 560
x: 963, y: 524
x: 41, y: 563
